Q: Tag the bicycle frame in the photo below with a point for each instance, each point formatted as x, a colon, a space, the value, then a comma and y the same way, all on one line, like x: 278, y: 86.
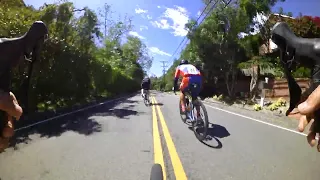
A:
x: 187, y: 100
x: 193, y: 102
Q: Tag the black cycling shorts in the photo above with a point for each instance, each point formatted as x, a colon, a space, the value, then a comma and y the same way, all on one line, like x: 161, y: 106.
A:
x: 145, y: 86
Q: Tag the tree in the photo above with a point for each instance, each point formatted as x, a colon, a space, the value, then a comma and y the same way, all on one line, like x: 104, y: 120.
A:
x: 215, y: 42
x: 258, y: 13
x: 73, y: 69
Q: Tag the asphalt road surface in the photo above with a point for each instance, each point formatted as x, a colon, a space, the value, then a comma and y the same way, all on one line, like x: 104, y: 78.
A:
x: 120, y: 141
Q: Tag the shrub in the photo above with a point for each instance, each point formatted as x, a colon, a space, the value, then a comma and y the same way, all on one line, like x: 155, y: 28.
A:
x: 257, y: 107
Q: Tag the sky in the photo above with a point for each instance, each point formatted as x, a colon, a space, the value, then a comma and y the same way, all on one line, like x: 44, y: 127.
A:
x: 160, y: 23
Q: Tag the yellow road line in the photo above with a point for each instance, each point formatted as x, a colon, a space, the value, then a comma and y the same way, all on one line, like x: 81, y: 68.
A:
x: 158, y: 154
x: 176, y: 162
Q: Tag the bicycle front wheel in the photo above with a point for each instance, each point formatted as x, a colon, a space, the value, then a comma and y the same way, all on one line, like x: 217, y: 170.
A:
x: 201, y: 125
x: 156, y: 172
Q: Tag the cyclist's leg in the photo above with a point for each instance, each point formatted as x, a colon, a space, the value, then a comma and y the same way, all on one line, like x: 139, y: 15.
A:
x: 142, y: 91
x: 183, y: 87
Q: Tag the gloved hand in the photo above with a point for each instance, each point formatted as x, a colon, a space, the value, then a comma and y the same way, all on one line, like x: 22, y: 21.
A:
x: 10, y: 105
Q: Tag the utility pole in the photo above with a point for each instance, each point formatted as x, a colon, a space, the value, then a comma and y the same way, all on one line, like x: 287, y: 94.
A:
x: 164, y: 66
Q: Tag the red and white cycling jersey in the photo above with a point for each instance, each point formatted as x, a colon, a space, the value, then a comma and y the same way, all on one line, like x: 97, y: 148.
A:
x: 185, y: 70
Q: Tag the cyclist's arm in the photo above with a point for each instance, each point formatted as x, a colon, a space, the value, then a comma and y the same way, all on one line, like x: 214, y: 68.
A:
x: 176, y: 77
x: 202, y: 79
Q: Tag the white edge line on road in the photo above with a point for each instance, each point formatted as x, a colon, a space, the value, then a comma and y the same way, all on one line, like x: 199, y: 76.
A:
x: 72, y: 112
x: 263, y: 122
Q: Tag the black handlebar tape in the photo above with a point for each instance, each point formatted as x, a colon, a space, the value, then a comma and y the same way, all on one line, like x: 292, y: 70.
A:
x: 4, y: 86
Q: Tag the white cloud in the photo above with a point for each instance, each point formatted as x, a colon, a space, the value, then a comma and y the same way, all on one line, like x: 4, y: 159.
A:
x: 143, y: 27
x: 144, y: 16
x: 156, y: 50
x: 198, y: 13
x: 140, y: 11
x: 178, y: 15
x: 162, y: 24
x: 159, y: 7
x: 133, y: 33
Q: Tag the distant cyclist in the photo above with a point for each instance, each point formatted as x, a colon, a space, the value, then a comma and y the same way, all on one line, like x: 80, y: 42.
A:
x: 190, y: 74
x: 145, y: 86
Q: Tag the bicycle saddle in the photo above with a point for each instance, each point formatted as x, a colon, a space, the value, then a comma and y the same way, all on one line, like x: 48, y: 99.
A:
x: 290, y: 45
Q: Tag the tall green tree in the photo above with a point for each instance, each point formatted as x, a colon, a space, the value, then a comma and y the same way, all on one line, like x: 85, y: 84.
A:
x: 73, y: 69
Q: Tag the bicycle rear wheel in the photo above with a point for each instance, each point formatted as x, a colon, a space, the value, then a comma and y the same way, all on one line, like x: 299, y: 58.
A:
x: 156, y: 172
x: 200, y: 124
x: 146, y: 99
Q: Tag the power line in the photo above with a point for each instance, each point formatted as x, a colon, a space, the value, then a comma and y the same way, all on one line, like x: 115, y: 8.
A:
x: 192, y: 27
x: 212, y: 7
x: 194, y: 24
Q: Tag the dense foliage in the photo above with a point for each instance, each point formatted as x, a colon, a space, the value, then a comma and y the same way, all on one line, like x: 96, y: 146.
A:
x: 218, y: 46
x: 72, y: 68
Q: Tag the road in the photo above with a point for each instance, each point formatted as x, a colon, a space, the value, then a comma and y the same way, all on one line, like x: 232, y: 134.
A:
x: 116, y: 141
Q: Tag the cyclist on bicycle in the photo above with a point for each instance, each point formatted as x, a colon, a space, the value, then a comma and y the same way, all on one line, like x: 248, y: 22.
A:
x: 190, y: 74
x: 145, y: 85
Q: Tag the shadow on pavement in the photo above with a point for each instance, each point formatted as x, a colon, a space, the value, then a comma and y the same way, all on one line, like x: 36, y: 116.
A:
x: 156, y: 104
x: 82, y: 122
x: 215, y: 132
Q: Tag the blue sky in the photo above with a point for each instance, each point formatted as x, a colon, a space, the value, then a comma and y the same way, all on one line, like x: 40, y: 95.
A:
x: 160, y: 24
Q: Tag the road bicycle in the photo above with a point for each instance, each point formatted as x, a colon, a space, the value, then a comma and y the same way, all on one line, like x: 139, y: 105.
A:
x: 156, y: 172
x: 191, y: 114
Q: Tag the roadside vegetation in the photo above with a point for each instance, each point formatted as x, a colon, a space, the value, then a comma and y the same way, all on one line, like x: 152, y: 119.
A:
x: 223, y: 55
x: 84, y: 59
x: 90, y: 55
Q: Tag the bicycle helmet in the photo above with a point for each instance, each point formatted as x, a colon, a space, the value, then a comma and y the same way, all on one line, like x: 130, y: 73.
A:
x: 183, y: 61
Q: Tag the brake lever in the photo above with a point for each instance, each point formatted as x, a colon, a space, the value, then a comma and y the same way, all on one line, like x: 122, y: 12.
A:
x: 295, y: 92
x: 12, y: 54
x: 5, y: 80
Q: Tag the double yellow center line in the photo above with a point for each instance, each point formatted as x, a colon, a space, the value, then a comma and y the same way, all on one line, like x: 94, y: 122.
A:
x: 158, y: 151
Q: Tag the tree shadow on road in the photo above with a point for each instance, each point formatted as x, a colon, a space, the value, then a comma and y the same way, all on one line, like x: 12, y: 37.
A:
x: 81, y: 122
x: 215, y: 132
